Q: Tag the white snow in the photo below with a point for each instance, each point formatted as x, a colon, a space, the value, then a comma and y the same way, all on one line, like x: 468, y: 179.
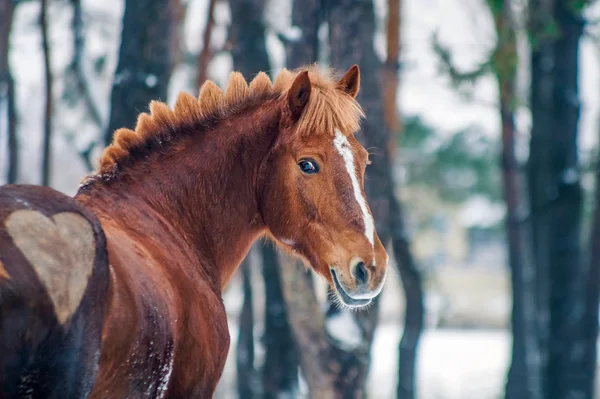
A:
x: 344, y: 329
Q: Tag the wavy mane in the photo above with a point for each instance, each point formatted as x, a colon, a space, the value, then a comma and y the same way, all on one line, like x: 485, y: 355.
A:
x: 328, y: 109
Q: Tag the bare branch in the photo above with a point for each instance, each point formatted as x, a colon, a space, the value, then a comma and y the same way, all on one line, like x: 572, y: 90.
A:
x: 76, y: 70
x: 459, y: 79
x: 205, y: 55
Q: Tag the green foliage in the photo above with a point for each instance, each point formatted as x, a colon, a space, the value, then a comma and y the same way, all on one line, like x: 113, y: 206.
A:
x: 461, y: 81
x: 578, y: 6
x: 457, y: 165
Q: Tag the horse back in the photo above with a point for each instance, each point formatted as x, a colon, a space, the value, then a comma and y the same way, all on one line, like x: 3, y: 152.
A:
x: 53, y: 284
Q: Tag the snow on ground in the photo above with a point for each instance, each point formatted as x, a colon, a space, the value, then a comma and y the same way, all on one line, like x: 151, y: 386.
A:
x: 451, y: 364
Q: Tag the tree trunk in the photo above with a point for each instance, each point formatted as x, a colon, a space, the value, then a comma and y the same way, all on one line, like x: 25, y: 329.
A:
x: 556, y: 203
x: 249, y: 50
x: 247, y: 381
x: 77, y: 68
x: 409, y: 274
x: 520, y: 381
x: 280, y: 369
x: 47, y: 144
x: 7, y: 90
x: 145, y: 60
x: 308, y: 15
x: 308, y: 327
x: 592, y: 295
x: 413, y: 292
x: 391, y: 67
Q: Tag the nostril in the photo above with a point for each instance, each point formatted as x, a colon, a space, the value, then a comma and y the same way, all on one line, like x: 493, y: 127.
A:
x: 361, y: 273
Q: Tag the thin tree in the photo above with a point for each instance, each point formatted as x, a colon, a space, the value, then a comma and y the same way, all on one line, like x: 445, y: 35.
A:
x: 77, y: 88
x: 206, y: 54
x: 409, y: 274
x: 248, y: 385
x: 7, y: 90
x: 392, y: 66
x: 47, y: 144
x: 279, y: 374
x: 146, y: 59
x: 76, y: 67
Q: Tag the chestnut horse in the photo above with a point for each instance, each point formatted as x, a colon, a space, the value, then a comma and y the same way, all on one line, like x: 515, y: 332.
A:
x: 116, y: 293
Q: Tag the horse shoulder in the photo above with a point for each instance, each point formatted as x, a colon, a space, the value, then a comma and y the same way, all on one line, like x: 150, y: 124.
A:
x: 163, y: 321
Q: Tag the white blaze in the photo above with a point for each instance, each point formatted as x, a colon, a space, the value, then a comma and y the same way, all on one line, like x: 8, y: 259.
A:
x: 343, y: 147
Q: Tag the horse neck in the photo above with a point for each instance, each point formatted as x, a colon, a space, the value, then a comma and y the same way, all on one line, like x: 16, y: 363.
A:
x: 204, y: 189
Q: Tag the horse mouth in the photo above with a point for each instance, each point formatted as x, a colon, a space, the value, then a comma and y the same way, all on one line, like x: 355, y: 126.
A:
x: 344, y: 297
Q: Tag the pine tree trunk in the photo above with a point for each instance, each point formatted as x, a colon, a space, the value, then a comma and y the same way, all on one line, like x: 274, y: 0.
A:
x: 7, y: 90
x: 145, y: 62
x: 556, y: 203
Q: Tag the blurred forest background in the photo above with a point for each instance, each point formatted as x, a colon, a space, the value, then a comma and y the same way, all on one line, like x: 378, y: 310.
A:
x: 484, y: 119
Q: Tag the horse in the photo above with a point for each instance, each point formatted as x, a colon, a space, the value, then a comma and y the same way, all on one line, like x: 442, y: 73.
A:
x: 116, y: 292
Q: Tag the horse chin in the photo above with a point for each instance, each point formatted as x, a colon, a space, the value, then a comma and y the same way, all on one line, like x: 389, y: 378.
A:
x: 346, y: 299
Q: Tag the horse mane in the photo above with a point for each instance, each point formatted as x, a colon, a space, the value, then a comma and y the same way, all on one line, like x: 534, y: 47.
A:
x: 328, y: 108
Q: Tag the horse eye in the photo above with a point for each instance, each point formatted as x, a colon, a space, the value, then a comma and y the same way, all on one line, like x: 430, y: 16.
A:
x: 308, y: 166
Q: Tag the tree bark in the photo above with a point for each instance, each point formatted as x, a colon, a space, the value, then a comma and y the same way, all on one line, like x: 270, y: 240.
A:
x: 146, y: 58
x: 307, y: 15
x: 247, y: 379
x: 280, y: 368
x: 47, y: 144
x: 413, y: 292
x: 7, y: 90
x: 308, y: 327
x: 391, y: 67
x: 556, y: 202
x: 592, y: 295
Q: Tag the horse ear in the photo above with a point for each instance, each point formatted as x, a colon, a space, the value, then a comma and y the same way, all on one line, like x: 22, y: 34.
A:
x: 350, y: 83
x: 298, y: 94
